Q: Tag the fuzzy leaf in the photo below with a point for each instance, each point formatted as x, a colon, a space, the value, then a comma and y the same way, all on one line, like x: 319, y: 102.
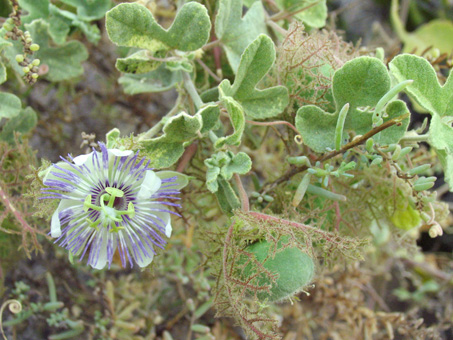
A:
x: 314, y: 15
x: 133, y: 25
x: 2, y: 73
x: 10, y: 105
x: 137, y: 63
x: 3, y: 42
x: 158, y: 80
x: 64, y: 61
x: 239, y: 164
x: 361, y: 82
x: 89, y: 10
x: 209, y: 116
x: 61, y: 21
x: 165, y: 150
x: 295, y: 269
x: 235, y: 32
x: 225, y: 165
x: 37, y: 9
x: 436, y: 99
x: 226, y: 197
x: 179, y: 65
x: 256, y: 61
x: 237, y: 121
x: 22, y: 123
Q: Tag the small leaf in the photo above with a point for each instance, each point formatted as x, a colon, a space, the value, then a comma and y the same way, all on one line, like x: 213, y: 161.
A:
x: 2, y: 73
x: 65, y: 62
x: 89, y: 10
x: 314, y: 15
x: 237, y: 121
x: 158, y: 80
x: 433, y: 97
x: 3, y: 42
x: 165, y: 150
x: 256, y: 61
x: 37, y: 9
x: 22, y: 123
x: 137, y: 63
x: 226, y: 197
x: 361, y: 82
x: 133, y: 25
x: 209, y: 116
x: 235, y: 32
x: 10, y: 105
x: 239, y: 164
x: 179, y: 65
x: 62, y: 20
x: 225, y: 165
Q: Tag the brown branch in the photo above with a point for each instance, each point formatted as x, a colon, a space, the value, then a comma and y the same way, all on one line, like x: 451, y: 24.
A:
x: 355, y: 142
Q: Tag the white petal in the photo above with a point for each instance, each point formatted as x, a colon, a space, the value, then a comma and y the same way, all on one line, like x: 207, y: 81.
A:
x: 66, y: 204
x: 102, y: 259
x: 55, y: 226
x: 168, y: 228
x: 82, y: 159
x: 151, y: 183
x: 120, y: 153
x: 145, y: 259
x: 181, y: 179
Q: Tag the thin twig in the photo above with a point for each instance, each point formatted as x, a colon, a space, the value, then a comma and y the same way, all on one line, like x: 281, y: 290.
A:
x: 207, y: 69
x: 242, y: 193
x: 277, y: 122
x: 355, y: 142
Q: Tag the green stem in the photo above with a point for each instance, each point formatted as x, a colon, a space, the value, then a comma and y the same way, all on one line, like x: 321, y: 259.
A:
x: 396, y: 21
x: 340, y: 126
x: 191, y: 90
x: 52, y: 289
x: 417, y: 138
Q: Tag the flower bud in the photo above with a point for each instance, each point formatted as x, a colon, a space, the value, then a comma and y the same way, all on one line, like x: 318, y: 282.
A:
x: 34, y: 47
x: 435, y: 230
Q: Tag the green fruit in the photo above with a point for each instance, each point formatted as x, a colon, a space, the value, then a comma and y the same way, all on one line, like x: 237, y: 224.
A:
x: 295, y: 269
x: 406, y: 218
x: 34, y: 47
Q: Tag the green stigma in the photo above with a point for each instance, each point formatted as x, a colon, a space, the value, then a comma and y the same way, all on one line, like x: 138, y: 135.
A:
x: 111, y: 216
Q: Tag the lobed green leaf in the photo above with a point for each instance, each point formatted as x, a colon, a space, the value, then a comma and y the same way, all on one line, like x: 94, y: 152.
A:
x: 361, y: 83
x: 158, y: 80
x: 10, y: 105
x: 435, y: 98
x: 165, y: 150
x: 235, y: 32
x: 256, y: 61
x: 133, y: 25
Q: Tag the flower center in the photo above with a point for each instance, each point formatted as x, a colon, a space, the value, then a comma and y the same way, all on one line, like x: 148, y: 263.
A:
x: 111, y: 207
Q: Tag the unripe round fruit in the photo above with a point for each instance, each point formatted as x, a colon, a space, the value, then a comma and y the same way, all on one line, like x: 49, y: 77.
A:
x: 26, y: 69
x: 34, y: 47
x: 295, y: 269
x: 19, y: 58
x: 7, y: 27
x: 36, y: 62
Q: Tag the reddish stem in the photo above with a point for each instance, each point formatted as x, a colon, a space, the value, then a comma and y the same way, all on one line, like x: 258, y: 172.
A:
x: 242, y: 193
x: 187, y: 156
x: 277, y: 122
